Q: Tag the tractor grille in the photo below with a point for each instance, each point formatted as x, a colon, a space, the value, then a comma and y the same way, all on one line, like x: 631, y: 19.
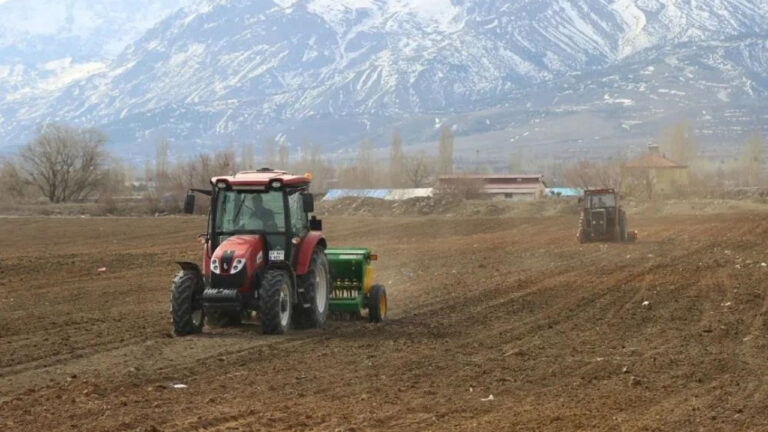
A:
x: 345, y: 293
x: 598, y: 220
x: 228, y: 281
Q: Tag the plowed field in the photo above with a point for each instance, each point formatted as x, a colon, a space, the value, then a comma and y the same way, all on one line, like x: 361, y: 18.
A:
x: 666, y: 334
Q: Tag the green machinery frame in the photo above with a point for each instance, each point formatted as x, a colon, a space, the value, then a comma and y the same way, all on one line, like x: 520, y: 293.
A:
x: 351, y: 279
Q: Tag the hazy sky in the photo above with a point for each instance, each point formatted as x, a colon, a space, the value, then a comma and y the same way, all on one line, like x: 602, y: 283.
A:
x: 111, y: 23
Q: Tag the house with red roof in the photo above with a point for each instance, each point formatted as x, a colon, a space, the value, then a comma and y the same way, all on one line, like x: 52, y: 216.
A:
x: 658, y: 174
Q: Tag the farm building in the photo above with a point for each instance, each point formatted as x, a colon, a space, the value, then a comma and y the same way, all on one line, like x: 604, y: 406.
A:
x: 491, y: 186
x: 656, y: 173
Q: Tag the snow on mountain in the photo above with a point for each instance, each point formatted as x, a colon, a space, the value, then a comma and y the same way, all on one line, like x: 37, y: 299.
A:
x: 47, y: 44
x: 334, y: 71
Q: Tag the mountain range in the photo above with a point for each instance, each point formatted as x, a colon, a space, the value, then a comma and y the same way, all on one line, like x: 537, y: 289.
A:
x: 554, y: 78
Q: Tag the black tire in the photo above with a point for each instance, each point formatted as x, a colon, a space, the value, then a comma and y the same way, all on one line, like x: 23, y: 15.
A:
x: 316, y: 314
x: 377, y: 304
x: 275, y: 302
x: 623, y: 234
x: 187, y: 311
x: 582, y: 236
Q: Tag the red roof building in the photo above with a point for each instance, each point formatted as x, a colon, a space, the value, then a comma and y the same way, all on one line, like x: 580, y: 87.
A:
x: 653, y: 159
x: 492, y: 186
x: 656, y: 172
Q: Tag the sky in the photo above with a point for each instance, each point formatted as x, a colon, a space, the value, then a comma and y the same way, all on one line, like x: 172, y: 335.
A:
x: 113, y: 23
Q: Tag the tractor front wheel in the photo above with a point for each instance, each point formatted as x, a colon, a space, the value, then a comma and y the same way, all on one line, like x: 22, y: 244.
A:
x: 312, y: 310
x: 275, y: 302
x: 187, y: 303
x: 377, y: 304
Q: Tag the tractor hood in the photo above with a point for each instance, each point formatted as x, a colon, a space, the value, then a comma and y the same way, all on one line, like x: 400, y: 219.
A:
x: 238, y: 253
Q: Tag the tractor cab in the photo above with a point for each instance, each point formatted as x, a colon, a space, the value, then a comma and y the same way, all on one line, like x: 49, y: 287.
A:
x: 267, y: 203
x: 601, y: 199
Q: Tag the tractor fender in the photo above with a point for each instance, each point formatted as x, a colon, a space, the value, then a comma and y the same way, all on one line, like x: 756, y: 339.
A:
x: 189, y: 266
x: 306, y: 248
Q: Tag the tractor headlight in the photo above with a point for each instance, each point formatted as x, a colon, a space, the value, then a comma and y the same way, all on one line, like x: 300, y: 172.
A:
x: 215, y: 266
x: 239, y: 264
x: 275, y: 184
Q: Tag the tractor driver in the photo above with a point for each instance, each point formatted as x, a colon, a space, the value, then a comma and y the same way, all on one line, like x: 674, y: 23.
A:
x: 255, y: 215
x: 598, y: 203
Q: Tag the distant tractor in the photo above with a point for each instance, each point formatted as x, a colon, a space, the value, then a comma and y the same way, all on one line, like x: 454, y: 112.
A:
x: 264, y: 255
x: 603, y: 218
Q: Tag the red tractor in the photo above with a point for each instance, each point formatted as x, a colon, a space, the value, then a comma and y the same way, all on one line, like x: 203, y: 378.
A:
x: 262, y: 253
x: 603, y: 218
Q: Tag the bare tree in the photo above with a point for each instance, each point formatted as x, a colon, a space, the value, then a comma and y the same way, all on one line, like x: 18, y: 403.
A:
x: 305, y: 153
x: 283, y: 157
x: 418, y: 169
x: 311, y: 161
x: 677, y: 143
x: 365, y: 171
x: 587, y: 174
x: 269, y: 154
x: 752, y: 161
x: 12, y: 184
x: 396, y: 162
x: 445, y: 158
x: 321, y: 171
x: 161, y: 159
x: 461, y: 187
x: 247, y: 158
x: 198, y: 171
x: 64, y: 163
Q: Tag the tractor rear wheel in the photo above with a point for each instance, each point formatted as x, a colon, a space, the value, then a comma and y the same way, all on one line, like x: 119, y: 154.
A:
x: 187, y: 303
x: 313, y: 306
x: 377, y: 304
x: 275, y: 302
x: 582, y: 236
x: 623, y: 226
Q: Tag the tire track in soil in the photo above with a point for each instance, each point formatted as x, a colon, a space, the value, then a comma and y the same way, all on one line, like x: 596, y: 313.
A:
x: 507, y: 307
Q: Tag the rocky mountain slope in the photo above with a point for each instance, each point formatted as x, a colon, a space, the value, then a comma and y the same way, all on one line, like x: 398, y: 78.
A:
x: 336, y: 71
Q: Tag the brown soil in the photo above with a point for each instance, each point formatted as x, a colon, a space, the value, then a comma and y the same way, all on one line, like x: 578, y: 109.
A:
x: 668, y: 334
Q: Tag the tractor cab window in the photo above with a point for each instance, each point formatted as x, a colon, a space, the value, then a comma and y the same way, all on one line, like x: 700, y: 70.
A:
x: 602, y: 201
x: 250, y: 211
x: 298, y: 217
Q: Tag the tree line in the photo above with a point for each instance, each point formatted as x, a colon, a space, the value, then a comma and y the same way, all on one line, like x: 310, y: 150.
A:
x: 678, y: 144
x: 69, y: 164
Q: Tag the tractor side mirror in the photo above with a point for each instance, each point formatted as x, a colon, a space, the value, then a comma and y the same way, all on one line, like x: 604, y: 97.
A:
x: 189, y: 203
x: 308, y: 202
x: 315, y: 224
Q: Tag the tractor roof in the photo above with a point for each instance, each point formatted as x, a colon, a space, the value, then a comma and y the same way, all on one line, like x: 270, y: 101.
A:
x: 263, y: 177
